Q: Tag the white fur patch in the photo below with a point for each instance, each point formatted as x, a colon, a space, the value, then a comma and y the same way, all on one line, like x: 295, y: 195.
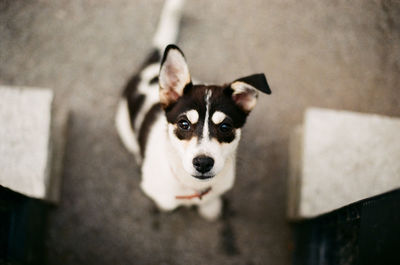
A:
x: 150, y: 72
x: 208, y: 96
x: 205, y: 128
x: 218, y: 117
x: 193, y: 116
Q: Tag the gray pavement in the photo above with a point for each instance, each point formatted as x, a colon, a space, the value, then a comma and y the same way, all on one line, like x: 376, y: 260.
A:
x: 335, y: 54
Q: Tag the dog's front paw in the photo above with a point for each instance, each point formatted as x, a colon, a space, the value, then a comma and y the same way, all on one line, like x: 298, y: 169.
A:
x: 166, y: 205
x: 211, y: 210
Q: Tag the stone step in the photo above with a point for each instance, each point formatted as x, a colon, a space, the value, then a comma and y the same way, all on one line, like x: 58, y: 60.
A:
x: 32, y: 141
x: 340, y: 157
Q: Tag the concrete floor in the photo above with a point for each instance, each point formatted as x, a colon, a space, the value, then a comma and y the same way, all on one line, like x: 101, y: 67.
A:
x: 335, y: 54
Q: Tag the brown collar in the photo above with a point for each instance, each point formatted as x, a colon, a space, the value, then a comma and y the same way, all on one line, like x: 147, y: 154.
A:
x: 196, y: 195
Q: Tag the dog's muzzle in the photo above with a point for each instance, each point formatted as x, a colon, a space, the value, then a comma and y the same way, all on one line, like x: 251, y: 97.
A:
x: 203, y: 164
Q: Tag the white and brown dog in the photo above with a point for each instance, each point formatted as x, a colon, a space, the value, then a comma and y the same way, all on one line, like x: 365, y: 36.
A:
x: 184, y: 135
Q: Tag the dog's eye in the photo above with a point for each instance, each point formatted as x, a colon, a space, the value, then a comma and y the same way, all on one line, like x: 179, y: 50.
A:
x: 184, y: 125
x: 225, y: 127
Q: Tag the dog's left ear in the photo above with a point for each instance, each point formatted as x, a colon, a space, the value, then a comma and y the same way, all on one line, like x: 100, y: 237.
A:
x: 245, y: 90
x: 174, y: 75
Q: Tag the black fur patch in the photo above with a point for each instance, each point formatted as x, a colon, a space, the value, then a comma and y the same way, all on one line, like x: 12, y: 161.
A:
x: 186, y: 134
x: 134, y: 105
x: 153, y: 57
x: 148, y: 121
x: 131, y: 86
x: 135, y: 100
x: 221, y: 100
x: 154, y: 80
x: 258, y: 81
x: 222, y: 137
x: 194, y: 97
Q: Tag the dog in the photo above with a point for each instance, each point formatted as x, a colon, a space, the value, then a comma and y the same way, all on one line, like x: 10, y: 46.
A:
x: 184, y: 134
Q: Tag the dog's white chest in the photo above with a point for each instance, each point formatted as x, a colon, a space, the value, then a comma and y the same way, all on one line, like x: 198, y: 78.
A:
x: 167, y: 183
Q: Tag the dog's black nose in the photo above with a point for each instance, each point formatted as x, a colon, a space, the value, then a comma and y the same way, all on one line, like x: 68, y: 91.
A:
x: 203, y: 163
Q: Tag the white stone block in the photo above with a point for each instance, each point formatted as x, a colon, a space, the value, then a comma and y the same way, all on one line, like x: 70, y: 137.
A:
x: 26, y: 142
x: 345, y: 157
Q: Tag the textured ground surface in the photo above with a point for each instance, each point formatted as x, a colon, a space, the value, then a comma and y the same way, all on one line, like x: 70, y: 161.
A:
x: 335, y: 54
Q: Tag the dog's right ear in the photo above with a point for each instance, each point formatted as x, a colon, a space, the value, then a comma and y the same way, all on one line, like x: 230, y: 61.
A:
x: 174, y: 76
x: 245, y: 90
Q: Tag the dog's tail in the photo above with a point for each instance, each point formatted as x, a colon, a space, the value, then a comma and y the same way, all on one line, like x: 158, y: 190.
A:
x: 168, y: 26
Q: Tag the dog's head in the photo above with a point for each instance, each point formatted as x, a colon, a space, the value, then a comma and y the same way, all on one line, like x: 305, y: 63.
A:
x: 204, y: 122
